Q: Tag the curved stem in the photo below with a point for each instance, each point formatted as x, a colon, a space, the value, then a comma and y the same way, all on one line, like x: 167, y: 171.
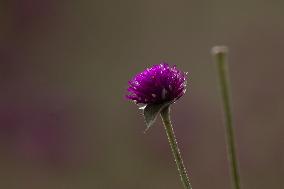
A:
x: 220, y: 53
x: 165, y: 114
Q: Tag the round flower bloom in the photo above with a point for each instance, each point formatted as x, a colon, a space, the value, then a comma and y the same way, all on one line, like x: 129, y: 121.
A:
x: 156, y: 85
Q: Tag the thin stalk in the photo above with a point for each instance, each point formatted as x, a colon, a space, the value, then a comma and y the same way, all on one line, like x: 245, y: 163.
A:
x: 165, y: 114
x: 220, y: 55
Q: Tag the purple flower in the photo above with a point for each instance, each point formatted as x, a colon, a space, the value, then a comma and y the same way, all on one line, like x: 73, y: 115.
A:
x: 156, y: 85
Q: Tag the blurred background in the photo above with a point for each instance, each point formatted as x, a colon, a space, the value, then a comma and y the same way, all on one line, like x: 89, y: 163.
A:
x: 64, y: 67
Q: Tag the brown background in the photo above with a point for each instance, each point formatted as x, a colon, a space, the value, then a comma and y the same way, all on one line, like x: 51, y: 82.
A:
x: 64, y: 67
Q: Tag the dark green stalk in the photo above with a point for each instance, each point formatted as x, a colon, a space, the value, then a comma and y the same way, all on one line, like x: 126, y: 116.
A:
x: 165, y: 114
x: 220, y: 55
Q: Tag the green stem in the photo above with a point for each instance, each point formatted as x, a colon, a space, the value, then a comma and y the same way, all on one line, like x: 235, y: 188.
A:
x: 165, y: 114
x: 220, y: 55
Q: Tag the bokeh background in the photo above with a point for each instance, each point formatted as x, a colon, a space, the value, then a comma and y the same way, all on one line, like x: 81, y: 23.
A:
x: 64, y: 67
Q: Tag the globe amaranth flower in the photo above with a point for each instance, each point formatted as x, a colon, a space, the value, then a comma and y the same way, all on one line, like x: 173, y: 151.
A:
x: 156, y: 85
x: 156, y: 88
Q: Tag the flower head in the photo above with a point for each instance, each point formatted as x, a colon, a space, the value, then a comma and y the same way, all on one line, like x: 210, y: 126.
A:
x: 156, y: 85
